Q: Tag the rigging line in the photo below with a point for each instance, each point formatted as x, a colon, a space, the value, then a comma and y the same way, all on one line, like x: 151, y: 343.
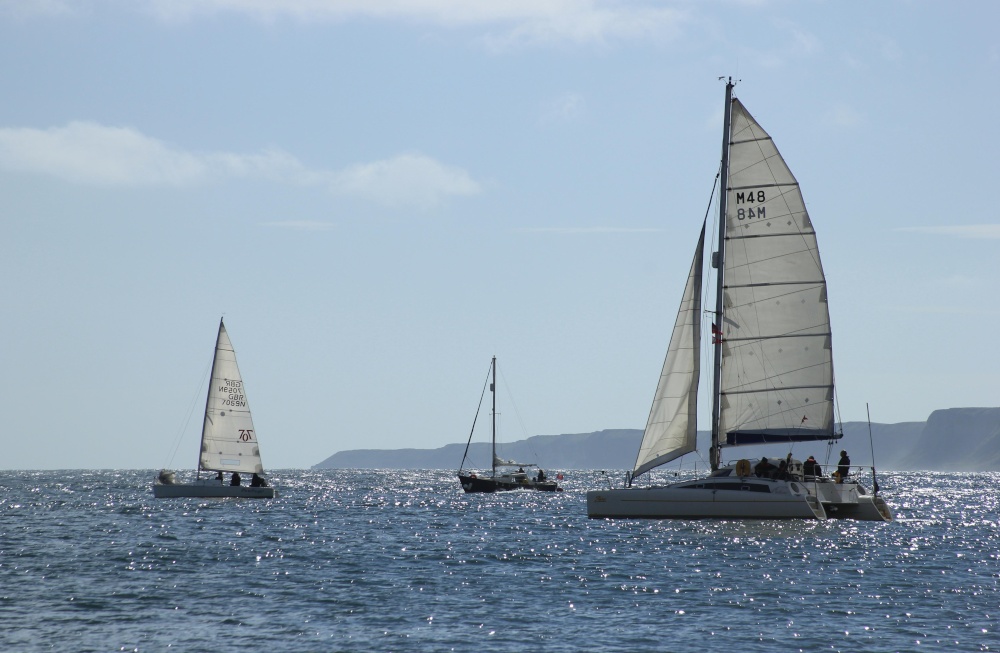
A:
x: 187, y: 419
x: 473, y: 429
x: 706, y: 287
x: 706, y: 315
x: 524, y: 431
x: 871, y: 443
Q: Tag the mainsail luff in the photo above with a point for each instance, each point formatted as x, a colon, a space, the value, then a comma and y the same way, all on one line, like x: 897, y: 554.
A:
x: 228, y: 439
x: 208, y: 395
x: 714, y: 454
x: 672, y: 426
x: 493, y: 429
x: 776, y: 381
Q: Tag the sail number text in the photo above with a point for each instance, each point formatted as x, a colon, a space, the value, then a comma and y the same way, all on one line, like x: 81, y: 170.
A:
x: 232, y: 394
x: 751, y: 199
x: 246, y: 435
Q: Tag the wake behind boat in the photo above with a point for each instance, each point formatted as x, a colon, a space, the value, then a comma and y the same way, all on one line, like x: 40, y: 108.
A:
x: 508, y: 478
x: 773, y: 359
x: 228, y: 439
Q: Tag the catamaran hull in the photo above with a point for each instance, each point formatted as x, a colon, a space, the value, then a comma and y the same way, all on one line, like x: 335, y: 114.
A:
x: 472, y: 484
x: 687, y: 503
x: 793, y: 501
x: 198, y: 491
x: 866, y: 509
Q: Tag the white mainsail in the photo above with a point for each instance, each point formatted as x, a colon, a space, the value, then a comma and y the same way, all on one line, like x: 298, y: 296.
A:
x: 777, y: 366
x: 228, y: 439
x: 671, y: 429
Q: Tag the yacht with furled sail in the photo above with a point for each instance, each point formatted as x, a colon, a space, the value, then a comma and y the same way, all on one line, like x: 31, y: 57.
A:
x: 228, y: 439
x: 503, y: 475
x: 772, y: 363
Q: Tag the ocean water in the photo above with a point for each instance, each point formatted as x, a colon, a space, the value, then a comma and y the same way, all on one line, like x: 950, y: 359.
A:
x: 404, y: 561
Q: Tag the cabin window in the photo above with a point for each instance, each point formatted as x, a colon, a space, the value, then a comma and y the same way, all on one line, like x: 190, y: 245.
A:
x: 732, y: 487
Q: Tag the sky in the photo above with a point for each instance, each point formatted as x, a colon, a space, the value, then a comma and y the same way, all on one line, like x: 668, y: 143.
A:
x: 379, y: 195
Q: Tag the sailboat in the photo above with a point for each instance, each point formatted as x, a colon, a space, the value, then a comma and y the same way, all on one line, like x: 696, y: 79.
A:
x: 508, y: 478
x: 772, y: 367
x: 228, y: 439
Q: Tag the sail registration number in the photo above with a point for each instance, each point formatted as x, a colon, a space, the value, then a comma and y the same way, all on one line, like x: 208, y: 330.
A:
x: 751, y: 199
x: 234, y: 399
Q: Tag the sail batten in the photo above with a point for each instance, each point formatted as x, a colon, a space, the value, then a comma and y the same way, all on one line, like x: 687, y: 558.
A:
x: 792, y: 387
x: 774, y: 284
x: 762, y: 186
x: 777, y: 336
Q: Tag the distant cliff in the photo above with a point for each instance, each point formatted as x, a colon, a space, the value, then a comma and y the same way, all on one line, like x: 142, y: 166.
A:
x: 954, y: 439
x: 957, y: 439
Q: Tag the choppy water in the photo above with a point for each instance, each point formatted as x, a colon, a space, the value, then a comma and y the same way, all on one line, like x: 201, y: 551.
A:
x: 403, y: 561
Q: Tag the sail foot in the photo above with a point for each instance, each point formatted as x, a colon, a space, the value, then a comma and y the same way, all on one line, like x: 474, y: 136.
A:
x: 772, y: 436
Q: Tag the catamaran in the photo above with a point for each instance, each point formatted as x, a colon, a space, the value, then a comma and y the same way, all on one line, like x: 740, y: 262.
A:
x: 228, y: 439
x: 772, y: 368
x: 508, y: 478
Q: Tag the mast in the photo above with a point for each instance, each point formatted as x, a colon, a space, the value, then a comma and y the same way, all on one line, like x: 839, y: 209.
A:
x: 208, y: 395
x: 718, y: 262
x: 493, y: 391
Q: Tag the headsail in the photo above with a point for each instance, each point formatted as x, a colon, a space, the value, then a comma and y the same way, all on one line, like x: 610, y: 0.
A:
x: 671, y: 429
x: 228, y: 439
x: 777, y: 365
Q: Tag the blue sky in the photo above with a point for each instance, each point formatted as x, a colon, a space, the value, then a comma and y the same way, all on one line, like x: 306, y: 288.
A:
x: 379, y: 196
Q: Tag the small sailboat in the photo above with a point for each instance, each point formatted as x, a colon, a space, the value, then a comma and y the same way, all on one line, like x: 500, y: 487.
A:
x: 772, y: 369
x: 508, y: 477
x: 228, y: 439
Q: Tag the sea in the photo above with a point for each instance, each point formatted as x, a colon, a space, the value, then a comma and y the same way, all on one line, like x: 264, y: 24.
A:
x: 352, y: 560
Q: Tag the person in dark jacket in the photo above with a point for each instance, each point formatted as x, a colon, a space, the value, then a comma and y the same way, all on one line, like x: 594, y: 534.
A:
x: 235, y: 480
x: 811, y: 468
x: 843, y: 466
x: 763, y: 469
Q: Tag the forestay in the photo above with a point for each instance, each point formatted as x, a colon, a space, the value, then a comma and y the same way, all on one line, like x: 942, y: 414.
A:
x: 777, y: 368
x: 228, y: 440
x: 671, y: 429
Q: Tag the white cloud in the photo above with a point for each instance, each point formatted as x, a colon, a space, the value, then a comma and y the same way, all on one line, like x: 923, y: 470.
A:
x: 957, y: 282
x: 93, y: 154
x: 567, y: 107
x: 516, y: 21
x: 403, y: 180
x: 89, y: 153
x: 975, y: 231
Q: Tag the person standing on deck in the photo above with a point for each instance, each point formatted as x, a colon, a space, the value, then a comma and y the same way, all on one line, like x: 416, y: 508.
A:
x: 843, y: 467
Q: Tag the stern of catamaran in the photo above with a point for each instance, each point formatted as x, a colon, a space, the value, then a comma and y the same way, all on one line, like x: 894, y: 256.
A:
x: 848, y: 499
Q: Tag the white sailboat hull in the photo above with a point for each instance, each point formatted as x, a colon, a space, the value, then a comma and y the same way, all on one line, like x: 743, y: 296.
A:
x: 739, y: 498
x: 210, y: 490
x: 682, y: 501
